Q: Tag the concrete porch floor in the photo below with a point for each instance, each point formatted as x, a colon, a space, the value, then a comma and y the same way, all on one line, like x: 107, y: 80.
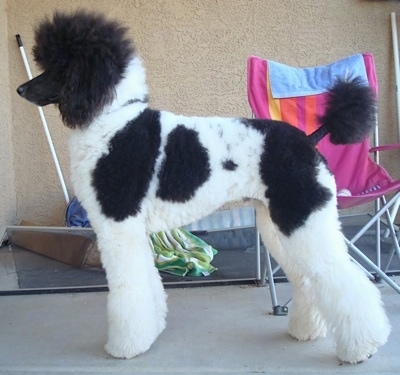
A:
x: 210, y: 330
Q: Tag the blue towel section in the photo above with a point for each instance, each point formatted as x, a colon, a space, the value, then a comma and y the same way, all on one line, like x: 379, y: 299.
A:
x: 287, y: 81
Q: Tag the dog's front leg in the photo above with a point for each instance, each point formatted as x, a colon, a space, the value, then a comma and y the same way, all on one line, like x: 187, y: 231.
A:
x: 136, y: 301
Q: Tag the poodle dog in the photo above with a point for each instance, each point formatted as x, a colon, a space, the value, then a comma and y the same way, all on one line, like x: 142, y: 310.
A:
x: 138, y: 170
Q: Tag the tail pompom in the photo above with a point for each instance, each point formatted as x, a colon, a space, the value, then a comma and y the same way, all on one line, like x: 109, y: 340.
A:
x: 350, y: 111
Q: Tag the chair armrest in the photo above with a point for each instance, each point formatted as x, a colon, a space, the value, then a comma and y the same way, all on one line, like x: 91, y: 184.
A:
x: 392, y: 146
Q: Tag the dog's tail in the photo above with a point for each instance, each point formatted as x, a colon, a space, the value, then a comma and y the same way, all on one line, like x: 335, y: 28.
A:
x: 349, y: 114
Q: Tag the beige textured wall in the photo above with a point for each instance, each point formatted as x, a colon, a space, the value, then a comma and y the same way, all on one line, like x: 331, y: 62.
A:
x: 7, y: 182
x: 195, y: 54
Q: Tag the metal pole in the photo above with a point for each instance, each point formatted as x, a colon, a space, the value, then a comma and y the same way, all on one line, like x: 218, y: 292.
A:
x: 396, y: 65
x: 44, y: 123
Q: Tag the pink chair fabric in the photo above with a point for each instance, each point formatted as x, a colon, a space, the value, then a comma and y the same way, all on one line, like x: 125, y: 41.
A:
x: 352, y: 165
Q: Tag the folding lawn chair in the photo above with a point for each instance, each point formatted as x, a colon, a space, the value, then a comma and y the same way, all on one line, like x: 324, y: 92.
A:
x: 297, y: 96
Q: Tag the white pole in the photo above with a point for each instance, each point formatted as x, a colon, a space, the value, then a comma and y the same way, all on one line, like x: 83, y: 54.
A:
x: 44, y: 123
x: 396, y: 65
x: 397, y: 77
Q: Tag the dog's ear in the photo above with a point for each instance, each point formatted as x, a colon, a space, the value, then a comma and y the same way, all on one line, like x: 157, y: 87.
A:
x: 89, y: 85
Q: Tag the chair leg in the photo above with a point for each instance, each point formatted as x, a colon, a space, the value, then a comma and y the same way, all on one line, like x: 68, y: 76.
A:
x: 277, y: 309
x: 395, y: 235
x: 395, y: 249
x: 372, y: 277
x: 269, y: 239
x: 371, y: 264
x: 267, y: 273
x: 378, y: 235
x: 380, y: 272
x: 259, y: 280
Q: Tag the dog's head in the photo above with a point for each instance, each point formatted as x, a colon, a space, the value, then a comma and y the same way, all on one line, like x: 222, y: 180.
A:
x: 83, y: 56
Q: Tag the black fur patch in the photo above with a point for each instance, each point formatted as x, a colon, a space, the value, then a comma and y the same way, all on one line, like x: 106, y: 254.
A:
x: 229, y: 165
x: 288, y: 168
x: 87, y: 55
x: 185, y: 168
x: 122, y: 177
x: 260, y: 125
x: 350, y: 111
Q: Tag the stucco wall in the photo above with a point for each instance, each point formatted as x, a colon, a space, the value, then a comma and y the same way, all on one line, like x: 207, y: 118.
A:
x: 195, y: 53
x: 7, y: 182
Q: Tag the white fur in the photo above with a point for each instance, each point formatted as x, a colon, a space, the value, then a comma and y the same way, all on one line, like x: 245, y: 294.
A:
x: 329, y: 291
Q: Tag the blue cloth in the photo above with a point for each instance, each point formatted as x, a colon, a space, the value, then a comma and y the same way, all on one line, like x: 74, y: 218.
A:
x: 287, y: 81
x: 75, y: 215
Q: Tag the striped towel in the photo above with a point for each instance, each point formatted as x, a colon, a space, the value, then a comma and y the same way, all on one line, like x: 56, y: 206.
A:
x: 180, y: 253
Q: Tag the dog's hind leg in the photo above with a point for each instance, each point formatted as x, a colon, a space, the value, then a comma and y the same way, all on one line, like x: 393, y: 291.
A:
x: 348, y: 301
x: 350, y: 304
x: 305, y: 320
x: 136, y: 302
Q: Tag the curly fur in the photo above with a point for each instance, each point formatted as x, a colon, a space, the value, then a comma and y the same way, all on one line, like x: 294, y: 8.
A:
x: 89, y: 41
x: 138, y: 170
x: 350, y: 111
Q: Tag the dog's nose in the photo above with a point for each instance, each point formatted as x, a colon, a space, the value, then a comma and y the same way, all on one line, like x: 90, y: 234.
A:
x: 21, y: 89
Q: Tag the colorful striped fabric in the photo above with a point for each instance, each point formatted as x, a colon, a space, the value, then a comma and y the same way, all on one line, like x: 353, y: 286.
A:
x: 352, y: 166
x: 180, y: 253
x: 301, y: 111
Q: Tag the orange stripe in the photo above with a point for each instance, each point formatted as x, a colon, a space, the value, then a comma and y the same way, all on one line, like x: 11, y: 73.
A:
x: 289, y: 111
x: 311, y: 114
x: 274, y: 105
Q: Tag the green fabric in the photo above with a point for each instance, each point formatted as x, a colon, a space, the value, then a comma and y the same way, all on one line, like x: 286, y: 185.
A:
x: 181, y: 253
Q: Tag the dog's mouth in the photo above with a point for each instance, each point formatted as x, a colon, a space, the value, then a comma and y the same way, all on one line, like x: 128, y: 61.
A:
x: 39, y: 91
x: 35, y: 97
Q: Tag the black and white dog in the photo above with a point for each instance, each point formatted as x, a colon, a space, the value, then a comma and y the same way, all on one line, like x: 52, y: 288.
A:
x: 137, y: 170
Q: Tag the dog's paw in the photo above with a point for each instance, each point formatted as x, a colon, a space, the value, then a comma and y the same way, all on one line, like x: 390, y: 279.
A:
x: 353, y: 349
x: 312, y: 333
x: 305, y: 327
x: 355, y: 356
x: 127, y: 347
x: 358, y: 337
x: 126, y: 350
x: 128, y: 340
